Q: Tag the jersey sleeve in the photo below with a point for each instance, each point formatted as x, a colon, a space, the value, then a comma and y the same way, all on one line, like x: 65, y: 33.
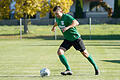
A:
x: 70, y: 18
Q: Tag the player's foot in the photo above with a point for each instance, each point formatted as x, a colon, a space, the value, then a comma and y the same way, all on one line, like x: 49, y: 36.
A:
x: 97, y: 72
x: 66, y: 72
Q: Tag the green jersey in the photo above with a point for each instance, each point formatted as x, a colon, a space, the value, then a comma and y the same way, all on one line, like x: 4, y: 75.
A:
x: 66, y: 20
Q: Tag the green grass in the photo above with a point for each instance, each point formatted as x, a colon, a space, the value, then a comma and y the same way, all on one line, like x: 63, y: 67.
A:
x: 98, y: 32
x: 23, y: 59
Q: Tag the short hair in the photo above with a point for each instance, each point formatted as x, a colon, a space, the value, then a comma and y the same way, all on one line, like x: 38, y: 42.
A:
x: 56, y: 8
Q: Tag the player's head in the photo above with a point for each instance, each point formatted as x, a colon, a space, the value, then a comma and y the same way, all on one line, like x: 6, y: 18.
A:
x: 58, y: 11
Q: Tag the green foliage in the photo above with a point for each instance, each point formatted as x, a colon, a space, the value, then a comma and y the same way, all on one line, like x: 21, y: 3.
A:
x: 4, y: 9
x: 79, y: 9
x: 31, y: 7
x: 117, y: 9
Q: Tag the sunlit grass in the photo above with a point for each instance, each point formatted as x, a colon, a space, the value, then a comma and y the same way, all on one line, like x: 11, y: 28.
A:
x: 23, y: 59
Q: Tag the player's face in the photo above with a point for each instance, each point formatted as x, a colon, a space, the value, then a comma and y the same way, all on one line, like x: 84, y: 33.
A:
x: 58, y: 13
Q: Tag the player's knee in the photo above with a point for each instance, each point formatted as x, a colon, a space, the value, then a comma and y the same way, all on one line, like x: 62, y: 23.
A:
x: 85, y: 53
x: 60, y: 52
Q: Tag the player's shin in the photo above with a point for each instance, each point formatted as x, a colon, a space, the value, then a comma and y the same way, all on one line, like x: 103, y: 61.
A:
x: 64, y: 61
x: 90, y: 59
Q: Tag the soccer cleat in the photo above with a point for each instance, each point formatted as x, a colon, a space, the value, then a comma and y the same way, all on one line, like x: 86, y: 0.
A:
x: 67, y: 72
x: 97, y: 72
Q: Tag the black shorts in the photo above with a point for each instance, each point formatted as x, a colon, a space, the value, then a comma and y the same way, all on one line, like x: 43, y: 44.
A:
x: 77, y: 44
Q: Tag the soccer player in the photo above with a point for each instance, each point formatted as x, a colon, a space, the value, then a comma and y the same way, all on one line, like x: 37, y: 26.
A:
x: 67, y: 24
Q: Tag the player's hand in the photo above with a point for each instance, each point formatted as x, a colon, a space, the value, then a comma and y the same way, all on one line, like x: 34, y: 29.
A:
x: 53, y: 29
x: 65, y: 29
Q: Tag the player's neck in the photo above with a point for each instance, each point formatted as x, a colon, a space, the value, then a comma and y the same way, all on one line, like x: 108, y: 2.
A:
x: 60, y: 16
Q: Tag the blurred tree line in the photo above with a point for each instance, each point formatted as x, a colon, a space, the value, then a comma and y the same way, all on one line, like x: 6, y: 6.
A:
x: 28, y: 8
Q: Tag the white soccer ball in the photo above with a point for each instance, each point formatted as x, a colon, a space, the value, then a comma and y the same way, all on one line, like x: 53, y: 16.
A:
x: 44, y: 72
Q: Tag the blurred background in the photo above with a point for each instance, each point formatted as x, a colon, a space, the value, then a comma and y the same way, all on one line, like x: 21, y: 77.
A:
x: 33, y: 19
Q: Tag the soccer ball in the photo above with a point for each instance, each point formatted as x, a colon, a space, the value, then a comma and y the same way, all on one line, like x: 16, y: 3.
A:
x: 44, y: 72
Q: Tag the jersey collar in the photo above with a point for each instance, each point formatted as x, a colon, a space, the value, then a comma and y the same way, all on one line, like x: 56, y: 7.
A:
x: 61, y: 17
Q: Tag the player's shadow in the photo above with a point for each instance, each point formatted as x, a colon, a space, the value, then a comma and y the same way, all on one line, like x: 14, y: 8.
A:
x: 112, y: 61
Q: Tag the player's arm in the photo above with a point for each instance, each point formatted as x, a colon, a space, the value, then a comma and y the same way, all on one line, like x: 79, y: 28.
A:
x: 74, y: 23
x: 54, y: 27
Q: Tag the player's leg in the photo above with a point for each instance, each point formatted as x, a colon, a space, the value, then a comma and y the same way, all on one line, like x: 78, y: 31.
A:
x: 79, y: 45
x: 64, y: 62
x: 63, y: 59
x: 64, y: 46
x: 90, y: 59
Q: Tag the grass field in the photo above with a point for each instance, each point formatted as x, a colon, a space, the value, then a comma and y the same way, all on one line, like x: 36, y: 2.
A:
x: 98, y: 32
x: 23, y: 59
